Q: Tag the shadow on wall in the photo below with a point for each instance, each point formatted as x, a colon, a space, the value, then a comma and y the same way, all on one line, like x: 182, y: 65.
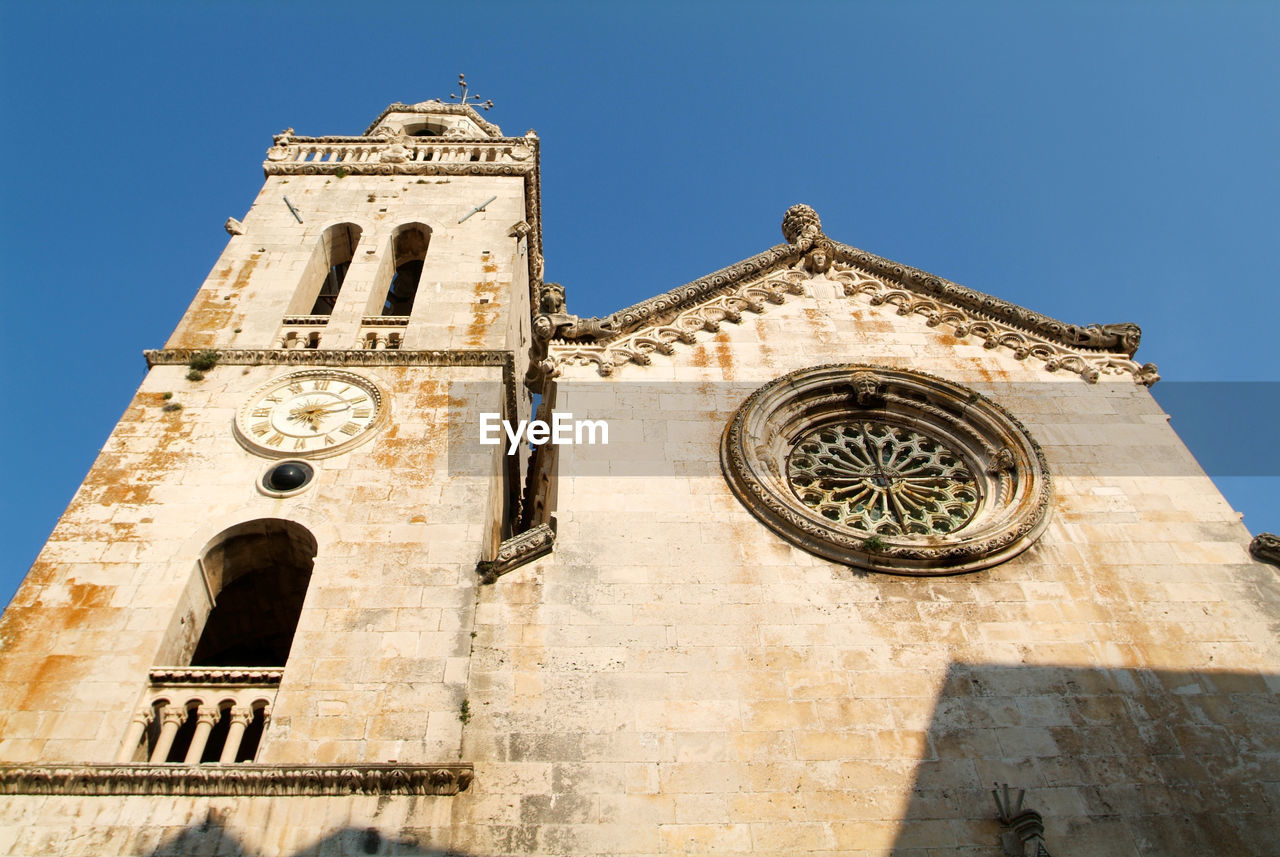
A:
x: 1118, y: 762
x: 211, y: 838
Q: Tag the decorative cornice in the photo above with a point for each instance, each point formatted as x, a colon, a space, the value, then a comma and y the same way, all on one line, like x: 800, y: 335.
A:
x: 413, y: 168
x: 1265, y: 547
x: 324, y: 357
x: 728, y: 303
x: 216, y: 675
x: 1089, y: 363
x: 235, y: 780
x: 664, y: 307
x: 516, y: 551
x: 632, y: 334
x: 1113, y: 338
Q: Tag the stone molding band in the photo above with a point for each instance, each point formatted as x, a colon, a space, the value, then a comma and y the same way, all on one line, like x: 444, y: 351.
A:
x: 216, y: 675
x: 412, y: 168
x: 1118, y: 338
x: 518, y: 550
x: 630, y: 335
x: 238, y: 780
x: 729, y: 303
x: 322, y: 357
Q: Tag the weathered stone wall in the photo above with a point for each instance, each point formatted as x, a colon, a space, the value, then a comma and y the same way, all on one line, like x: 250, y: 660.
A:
x: 463, y: 297
x: 378, y: 663
x: 179, y: 827
x: 676, y: 679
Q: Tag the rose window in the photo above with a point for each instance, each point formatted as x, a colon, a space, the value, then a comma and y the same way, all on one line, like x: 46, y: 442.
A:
x: 887, y: 469
x: 882, y: 479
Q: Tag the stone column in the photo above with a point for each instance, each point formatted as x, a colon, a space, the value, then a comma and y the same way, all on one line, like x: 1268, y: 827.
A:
x: 205, y: 717
x: 240, y: 718
x: 171, y: 719
x: 134, y: 736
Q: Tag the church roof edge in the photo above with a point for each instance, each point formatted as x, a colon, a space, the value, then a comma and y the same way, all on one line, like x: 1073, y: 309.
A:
x: 803, y: 231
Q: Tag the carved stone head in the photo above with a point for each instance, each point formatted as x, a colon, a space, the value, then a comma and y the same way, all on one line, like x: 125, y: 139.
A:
x: 552, y: 300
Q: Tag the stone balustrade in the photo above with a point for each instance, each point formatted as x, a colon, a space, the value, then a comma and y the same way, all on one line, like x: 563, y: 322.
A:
x: 406, y: 150
x: 194, y: 716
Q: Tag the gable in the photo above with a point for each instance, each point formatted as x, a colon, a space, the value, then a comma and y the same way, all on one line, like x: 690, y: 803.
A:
x: 736, y: 294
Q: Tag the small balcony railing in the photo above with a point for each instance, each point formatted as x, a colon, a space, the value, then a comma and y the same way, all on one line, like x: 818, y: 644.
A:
x: 202, y: 715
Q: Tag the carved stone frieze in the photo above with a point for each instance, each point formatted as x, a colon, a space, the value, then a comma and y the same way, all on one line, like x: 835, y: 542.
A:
x: 325, y: 357
x: 726, y: 303
x: 635, y: 332
x: 729, y: 305
x: 216, y: 675
x: 1265, y: 547
x: 993, y: 334
x: 551, y: 321
x: 518, y: 550
x: 384, y: 168
x: 236, y: 780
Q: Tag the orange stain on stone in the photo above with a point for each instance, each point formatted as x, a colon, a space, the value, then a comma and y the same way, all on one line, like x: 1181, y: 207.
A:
x: 211, y: 313
x: 481, y: 313
x: 724, y: 354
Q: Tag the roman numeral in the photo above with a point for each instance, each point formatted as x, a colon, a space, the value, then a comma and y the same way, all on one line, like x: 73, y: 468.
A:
x: 295, y: 388
x: 350, y: 428
x: 321, y: 384
x: 275, y: 440
x: 300, y: 443
x: 261, y: 428
x: 361, y: 413
x: 275, y: 399
x: 262, y: 412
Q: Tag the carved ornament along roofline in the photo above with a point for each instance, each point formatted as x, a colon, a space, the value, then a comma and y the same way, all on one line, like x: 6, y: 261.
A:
x: 1118, y: 338
x: 632, y: 334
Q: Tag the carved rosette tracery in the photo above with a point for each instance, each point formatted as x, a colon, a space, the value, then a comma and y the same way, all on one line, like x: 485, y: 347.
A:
x: 887, y: 470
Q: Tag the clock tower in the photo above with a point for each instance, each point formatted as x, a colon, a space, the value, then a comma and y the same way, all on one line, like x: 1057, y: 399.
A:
x: 273, y: 560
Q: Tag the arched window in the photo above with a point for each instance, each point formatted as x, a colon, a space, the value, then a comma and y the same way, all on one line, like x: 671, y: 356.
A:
x: 227, y: 645
x: 425, y: 129
x: 322, y: 280
x: 408, y: 252
x: 258, y: 573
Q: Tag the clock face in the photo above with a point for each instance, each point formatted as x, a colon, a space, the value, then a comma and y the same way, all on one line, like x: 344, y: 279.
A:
x: 313, y: 414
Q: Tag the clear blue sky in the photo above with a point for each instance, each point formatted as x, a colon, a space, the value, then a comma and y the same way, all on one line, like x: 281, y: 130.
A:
x: 1097, y: 162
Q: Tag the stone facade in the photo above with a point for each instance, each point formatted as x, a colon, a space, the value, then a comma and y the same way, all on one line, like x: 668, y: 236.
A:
x: 603, y: 649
